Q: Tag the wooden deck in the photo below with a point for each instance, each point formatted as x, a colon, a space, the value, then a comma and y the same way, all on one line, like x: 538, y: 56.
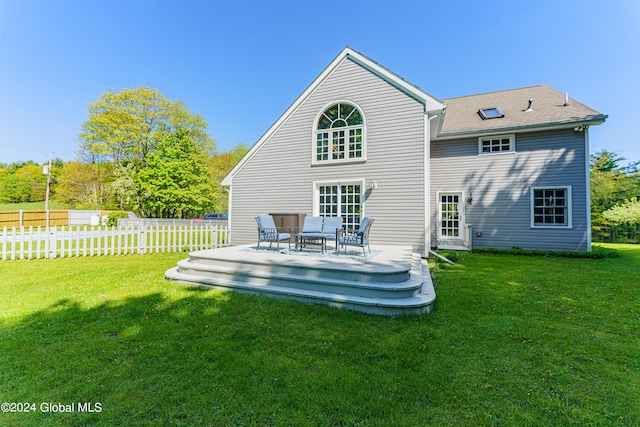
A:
x: 395, y: 281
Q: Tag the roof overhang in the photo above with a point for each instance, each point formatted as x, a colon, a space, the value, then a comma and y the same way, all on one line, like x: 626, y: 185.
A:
x: 432, y: 105
x: 572, y: 123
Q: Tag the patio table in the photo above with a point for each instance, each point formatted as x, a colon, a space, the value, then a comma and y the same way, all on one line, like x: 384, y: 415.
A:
x: 305, y: 239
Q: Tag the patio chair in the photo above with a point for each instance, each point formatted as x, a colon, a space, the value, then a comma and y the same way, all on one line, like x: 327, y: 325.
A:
x: 332, y: 227
x: 322, y: 228
x: 326, y: 226
x: 358, y: 238
x: 268, y: 232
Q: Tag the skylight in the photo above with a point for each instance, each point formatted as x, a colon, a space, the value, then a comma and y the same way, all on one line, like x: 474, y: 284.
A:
x: 490, y: 113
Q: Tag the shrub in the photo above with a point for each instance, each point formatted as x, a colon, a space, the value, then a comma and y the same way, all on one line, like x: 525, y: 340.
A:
x: 112, y: 218
x: 597, y: 252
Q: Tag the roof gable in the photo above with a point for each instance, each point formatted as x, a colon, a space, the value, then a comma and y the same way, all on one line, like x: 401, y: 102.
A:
x: 431, y: 104
x: 548, y: 109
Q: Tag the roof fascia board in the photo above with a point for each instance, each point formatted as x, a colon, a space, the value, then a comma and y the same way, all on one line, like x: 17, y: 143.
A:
x: 431, y: 103
x: 288, y: 112
x: 591, y: 121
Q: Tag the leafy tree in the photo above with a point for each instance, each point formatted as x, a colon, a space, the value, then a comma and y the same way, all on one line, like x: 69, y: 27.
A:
x: 627, y: 213
x: 611, y: 184
x: 85, y: 185
x: 9, y: 189
x: 126, y: 126
x: 22, y: 182
x: 219, y: 166
x: 606, y: 161
x: 175, y: 183
x: 124, y: 186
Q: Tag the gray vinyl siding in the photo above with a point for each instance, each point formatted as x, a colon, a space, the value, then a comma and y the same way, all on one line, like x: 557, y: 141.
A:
x: 501, y: 183
x: 279, y: 177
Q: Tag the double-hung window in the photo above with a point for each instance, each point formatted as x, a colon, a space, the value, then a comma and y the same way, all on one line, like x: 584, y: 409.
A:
x: 339, y: 134
x: 551, y: 207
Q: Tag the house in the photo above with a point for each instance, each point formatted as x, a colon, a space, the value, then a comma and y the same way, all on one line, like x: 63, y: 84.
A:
x: 499, y: 170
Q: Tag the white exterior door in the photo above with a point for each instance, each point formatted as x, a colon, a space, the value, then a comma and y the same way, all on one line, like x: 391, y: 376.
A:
x: 450, y: 215
x: 340, y: 199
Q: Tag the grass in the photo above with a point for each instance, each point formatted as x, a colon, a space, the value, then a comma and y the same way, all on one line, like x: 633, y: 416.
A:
x: 514, y: 340
x: 30, y: 206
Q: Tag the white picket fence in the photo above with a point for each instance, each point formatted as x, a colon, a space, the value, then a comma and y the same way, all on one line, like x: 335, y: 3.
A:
x: 77, y: 241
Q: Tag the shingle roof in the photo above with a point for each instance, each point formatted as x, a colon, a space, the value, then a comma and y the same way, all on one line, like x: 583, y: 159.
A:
x: 462, y: 116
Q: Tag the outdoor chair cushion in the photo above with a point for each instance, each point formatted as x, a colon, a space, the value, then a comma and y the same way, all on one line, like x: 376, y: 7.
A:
x: 359, y: 238
x: 312, y: 224
x: 331, y: 224
x: 363, y: 225
x: 266, y: 221
x: 268, y: 230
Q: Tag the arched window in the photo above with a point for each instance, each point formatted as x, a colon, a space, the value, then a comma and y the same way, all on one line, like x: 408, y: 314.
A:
x: 339, y: 134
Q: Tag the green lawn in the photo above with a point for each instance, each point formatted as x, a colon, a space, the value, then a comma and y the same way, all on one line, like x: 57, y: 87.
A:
x: 29, y: 206
x: 513, y: 341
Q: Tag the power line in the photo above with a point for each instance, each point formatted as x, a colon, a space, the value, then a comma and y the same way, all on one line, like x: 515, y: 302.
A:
x: 21, y: 148
x: 12, y: 159
x: 36, y: 149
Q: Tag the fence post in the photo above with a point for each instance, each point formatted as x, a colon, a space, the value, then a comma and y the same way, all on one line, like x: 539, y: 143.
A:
x: 126, y: 238
x: 13, y: 243
x: 70, y: 242
x: 141, y: 239
x: 113, y: 240
x: 30, y: 247
x: 92, y: 241
x: 38, y: 241
x: 53, y: 241
x: 99, y: 240
x: 21, y: 237
x: 85, y: 233
x: 3, y: 241
x: 62, y: 241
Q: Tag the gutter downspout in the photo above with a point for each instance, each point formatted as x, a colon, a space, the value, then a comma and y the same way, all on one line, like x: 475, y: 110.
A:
x: 588, y: 187
x: 427, y: 179
x: 230, y: 219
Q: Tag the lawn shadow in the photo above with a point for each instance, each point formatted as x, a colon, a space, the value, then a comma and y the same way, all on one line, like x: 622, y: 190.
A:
x: 152, y: 357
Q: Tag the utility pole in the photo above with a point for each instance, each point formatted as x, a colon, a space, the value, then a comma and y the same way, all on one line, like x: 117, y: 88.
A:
x: 46, y: 200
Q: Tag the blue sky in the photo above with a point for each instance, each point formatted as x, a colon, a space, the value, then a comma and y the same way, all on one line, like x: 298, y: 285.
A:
x: 240, y: 64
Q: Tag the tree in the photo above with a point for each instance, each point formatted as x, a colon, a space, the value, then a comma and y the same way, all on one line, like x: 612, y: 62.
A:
x: 85, y: 185
x: 127, y: 126
x: 135, y: 130
x: 627, y: 213
x: 606, y: 161
x: 175, y: 183
x: 219, y: 166
x: 22, y: 182
x: 611, y: 184
x: 124, y: 186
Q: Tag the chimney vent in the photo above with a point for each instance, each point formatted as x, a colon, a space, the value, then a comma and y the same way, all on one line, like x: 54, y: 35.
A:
x: 529, y: 109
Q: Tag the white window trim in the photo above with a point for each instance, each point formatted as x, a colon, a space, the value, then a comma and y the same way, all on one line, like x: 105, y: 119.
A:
x: 314, y: 133
x: 462, y: 213
x: 569, y: 197
x: 339, y: 182
x: 512, y: 144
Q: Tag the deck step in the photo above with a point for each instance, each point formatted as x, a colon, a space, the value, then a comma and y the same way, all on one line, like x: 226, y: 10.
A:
x: 301, y: 266
x: 346, y: 284
x: 320, y: 282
